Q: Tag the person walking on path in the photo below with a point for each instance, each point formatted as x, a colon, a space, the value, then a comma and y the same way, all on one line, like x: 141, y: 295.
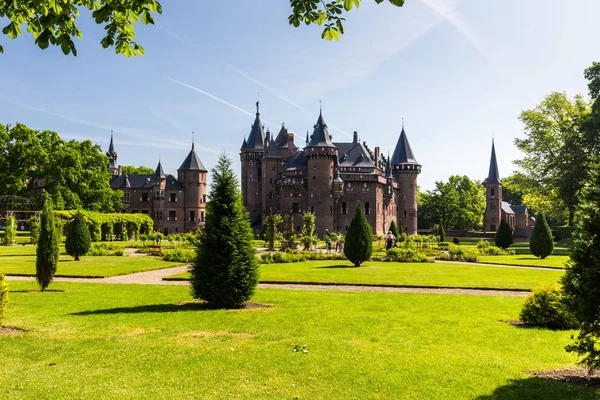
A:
x: 390, y: 239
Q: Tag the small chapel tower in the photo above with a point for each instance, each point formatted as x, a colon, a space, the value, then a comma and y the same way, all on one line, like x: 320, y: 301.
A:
x: 251, y: 155
x: 493, y: 195
x: 113, y: 167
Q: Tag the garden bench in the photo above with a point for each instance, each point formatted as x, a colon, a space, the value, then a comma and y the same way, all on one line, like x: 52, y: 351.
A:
x: 154, y: 249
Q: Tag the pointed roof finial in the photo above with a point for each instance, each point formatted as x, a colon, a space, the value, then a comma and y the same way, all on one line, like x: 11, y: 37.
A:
x: 402, y: 123
x: 320, y: 107
x: 193, y: 140
x: 493, y: 174
x: 257, y: 113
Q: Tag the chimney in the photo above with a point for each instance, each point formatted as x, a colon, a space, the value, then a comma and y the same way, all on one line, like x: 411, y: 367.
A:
x: 290, y: 143
x: 267, y: 139
x: 377, y: 157
x: 355, y: 139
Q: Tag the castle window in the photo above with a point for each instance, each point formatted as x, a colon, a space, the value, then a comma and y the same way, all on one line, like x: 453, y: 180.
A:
x: 158, y: 195
x: 295, y: 208
x: 145, y: 197
x: 314, y: 177
x: 126, y: 197
x: 367, y: 208
x: 204, y: 198
x: 344, y: 208
x: 173, y: 197
x: 330, y: 210
x: 273, y: 169
x: 492, y: 192
x: 202, y: 216
x: 251, y: 177
x: 312, y: 209
x: 172, y: 215
x: 159, y: 215
x: 492, y: 206
x: 192, y: 216
x: 404, y: 213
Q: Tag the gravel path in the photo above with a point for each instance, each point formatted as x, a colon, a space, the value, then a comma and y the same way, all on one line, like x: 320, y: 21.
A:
x: 155, y: 278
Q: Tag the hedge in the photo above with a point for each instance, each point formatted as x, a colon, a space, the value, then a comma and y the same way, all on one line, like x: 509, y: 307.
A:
x: 103, y: 226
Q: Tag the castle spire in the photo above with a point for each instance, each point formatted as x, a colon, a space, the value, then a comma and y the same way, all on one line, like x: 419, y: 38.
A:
x: 111, y: 147
x: 320, y: 136
x: 192, y: 140
x: 493, y: 175
x: 403, y: 153
x: 159, y: 173
x: 256, y: 139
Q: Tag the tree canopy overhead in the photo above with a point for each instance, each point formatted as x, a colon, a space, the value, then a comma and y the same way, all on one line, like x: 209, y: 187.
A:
x: 53, y: 22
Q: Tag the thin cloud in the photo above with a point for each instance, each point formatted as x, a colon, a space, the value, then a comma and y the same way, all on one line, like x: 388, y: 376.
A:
x: 280, y: 95
x: 220, y: 100
x: 448, y: 11
x: 172, y: 121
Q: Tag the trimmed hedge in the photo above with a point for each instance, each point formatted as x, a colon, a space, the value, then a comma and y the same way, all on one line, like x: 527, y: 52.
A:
x: 460, y: 253
x: 105, y: 249
x: 102, y: 226
x: 405, y: 255
x: 284, y: 257
x: 180, y: 255
x: 563, y: 232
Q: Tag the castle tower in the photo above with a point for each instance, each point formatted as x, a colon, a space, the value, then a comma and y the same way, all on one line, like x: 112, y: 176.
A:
x: 321, y: 154
x: 193, y: 175
x: 493, y: 196
x: 271, y: 168
x: 251, y: 155
x: 405, y: 170
x: 113, y: 167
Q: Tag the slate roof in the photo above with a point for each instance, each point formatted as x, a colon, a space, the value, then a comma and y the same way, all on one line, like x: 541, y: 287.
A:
x: 519, y: 209
x: 272, y: 150
x: 353, y: 155
x: 256, y: 139
x: 320, y: 136
x: 493, y: 175
x: 159, y: 173
x: 140, y: 181
x: 244, y: 144
x: 296, y: 162
x: 403, y: 154
x: 126, y: 183
x: 282, y: 137
x: 507, y: 208
x: 192, y: 162
x: 111, y: 147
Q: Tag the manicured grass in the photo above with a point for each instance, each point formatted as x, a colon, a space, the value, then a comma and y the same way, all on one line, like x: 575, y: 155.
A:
x: 87, y: 266
x: 437, y: 274
x: 20, y: 250
x: 553, y: 261
x: 112, y: 342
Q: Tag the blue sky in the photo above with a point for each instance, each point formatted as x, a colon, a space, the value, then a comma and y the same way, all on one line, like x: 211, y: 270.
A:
x: 458, y: 72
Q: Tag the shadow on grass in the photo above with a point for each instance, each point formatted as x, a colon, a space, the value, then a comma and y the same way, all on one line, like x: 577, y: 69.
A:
x: 166, y: 308
x: 538, y: 388
x: 336, y: 266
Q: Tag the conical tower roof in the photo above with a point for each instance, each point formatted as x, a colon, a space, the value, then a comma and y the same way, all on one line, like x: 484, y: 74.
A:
x: 388, y: 167
x: 192, y: 162
x: 126, y: 183
x: 244, y: 144
x: 111, y: 147
x: 320, y: 136
x: 493, y: 175
x: 273, y: 150
x: 159, y: 173
x: 403, y: 154
x: 256, y: 139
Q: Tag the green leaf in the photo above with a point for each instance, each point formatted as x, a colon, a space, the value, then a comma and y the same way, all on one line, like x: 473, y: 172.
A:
x: 398, y: 3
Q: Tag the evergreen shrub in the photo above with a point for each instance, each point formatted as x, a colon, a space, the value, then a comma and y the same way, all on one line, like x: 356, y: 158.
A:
x: 541, y: 243
x: 47, y: 249
x: 3, y: 299
x: 79, y: 240
x: 358, y: 244
x: 504, y: 237
x: 545, y: 308
x: 10, y: 232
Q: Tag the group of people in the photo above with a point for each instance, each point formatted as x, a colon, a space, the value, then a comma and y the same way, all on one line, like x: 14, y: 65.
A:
x: 339, y: 244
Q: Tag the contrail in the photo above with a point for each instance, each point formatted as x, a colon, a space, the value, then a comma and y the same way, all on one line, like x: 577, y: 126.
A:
x: 220, y: 100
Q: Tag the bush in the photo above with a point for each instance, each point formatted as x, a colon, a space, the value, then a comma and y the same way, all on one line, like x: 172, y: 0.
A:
x: 541, y: 243
x: 460, y: 253
x: 3, y: 299
x: 105, y: 249
x: 358, y: 244
x: 455, y: 240
x: 10, y: 232
x: 563, y: 232
x: 34, y: 229
x: 443, y: 245
x: 225, y: 273
x: 545, y: 308
x: 442, y: 233
x: 78, y: 238
x: 285, y: 257
x: 405, y: 255
x: 394, y: 230
x: 47, y: 250
x: 504, y: 237
x: 180, y: 255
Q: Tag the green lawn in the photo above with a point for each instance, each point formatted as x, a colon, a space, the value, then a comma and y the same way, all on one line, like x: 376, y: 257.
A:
x: 404, y: 274
x: 87, y: 266
x: 112, y: 342
x: 20, y: 250
x: 553, y: 261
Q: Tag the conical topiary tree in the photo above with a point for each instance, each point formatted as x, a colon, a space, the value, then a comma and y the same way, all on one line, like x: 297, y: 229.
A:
x: 541, y: 242
x: 394, y: 229
x: 78, y: 241
x: 358, y: 244
x: 10, y: 231
x: 442, y: 232
x: 504, y: 237
x: 225, y: 273
x: 47, y: 249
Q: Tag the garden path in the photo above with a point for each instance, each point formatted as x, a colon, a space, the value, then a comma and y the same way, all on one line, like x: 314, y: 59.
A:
x: 156, y: 278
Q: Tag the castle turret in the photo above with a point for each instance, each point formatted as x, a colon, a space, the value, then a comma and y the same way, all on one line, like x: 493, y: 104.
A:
x: 493, y: 195
x: 321, y: 154
x: 193, y: 175
x: 271, y: 168
x: 251, y: 155
x: 113, y: 167
x: 405, y: 170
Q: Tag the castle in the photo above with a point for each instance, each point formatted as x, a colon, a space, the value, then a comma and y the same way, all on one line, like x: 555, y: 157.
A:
x: 177, y: 205
x: 517, y: 216
x: 328, y: 179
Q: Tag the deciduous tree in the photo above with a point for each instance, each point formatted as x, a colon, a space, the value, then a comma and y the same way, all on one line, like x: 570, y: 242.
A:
x: 308, y: 237
x: 272, y: 233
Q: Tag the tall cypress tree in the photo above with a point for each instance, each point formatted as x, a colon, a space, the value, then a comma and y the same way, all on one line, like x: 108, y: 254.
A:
x: 225, y: 273
x: 541, y: 242
x: 394, y: 229
x: 504, y: 237
x: 3, y: 299
x: 359, y: 239
x: 79, y: 240
x: 47, y: 249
